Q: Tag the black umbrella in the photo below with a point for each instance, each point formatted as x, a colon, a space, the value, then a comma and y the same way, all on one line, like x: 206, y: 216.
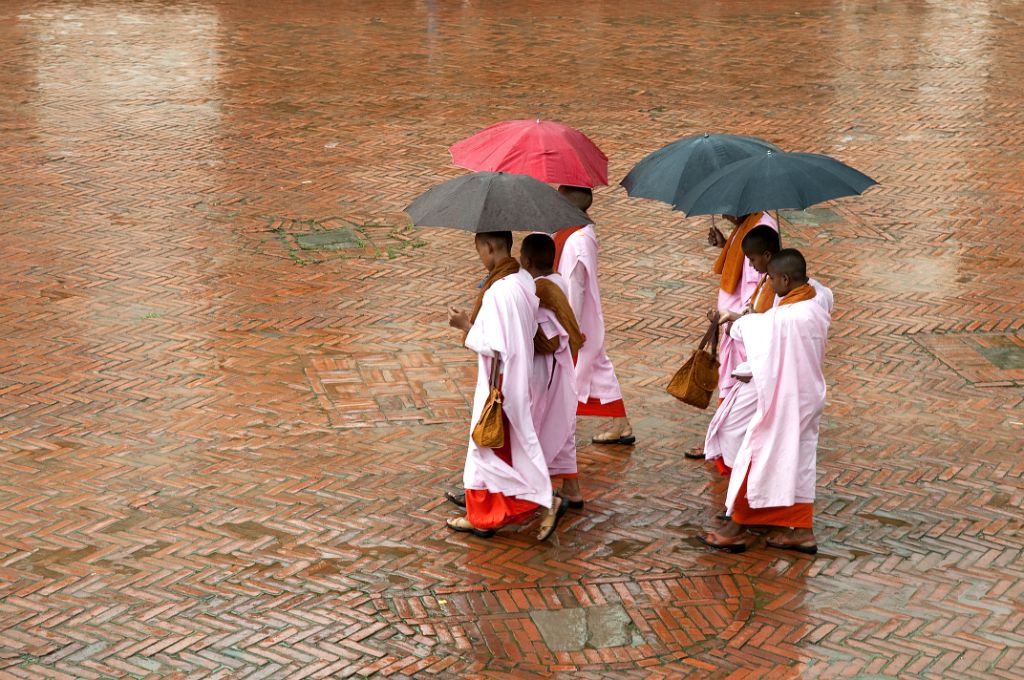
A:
x: 668, y: 173
x: 495, y: 201
x: 773, y: 180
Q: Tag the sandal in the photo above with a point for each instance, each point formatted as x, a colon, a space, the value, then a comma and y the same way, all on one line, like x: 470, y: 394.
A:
x: 805, y: 548
x: 462, y: 524
x: 572, y: 505
x: 458, y: 499
x: 696, y: 453
x: 718, y: 542
x: 624, y: 439
x: 551, y: 519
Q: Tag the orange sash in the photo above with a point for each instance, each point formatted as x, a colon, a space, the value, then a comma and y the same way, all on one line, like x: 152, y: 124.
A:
x: 730, y: 261
x: 551, y: 297
x: 501, y: 270
x: 764, y: 296
x: 799, y: 294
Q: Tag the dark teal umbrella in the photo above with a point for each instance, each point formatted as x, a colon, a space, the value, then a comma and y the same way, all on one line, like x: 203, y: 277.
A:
x: 668, y: 173
x: 495, y: 201
x: 771, y: 181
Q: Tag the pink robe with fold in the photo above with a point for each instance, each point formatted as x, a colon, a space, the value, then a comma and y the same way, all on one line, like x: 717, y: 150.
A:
x: 729, y: 425
x: 730, y: 354
x: 554, y: 394
x: 505, y: 327
x: 785, y: 349
x: 595, y: 375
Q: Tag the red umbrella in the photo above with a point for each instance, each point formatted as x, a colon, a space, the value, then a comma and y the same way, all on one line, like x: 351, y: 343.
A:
x: 550, y: 152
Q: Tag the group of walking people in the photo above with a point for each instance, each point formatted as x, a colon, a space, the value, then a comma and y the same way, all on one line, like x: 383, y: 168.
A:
x: 538, y: 330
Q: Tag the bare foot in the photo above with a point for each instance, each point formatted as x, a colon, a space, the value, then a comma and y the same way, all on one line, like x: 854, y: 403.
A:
x: 731, y: 537
x: 570, y: 490
x: 620, y: 432
x: 800, y: 540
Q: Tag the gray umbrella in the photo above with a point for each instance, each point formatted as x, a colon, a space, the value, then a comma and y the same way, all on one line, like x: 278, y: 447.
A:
x: 495, y: 201
x: 773, y: 180
x: 668, y: 173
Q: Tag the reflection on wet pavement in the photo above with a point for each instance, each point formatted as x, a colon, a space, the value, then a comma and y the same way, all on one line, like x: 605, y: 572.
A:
x: 231, y: 402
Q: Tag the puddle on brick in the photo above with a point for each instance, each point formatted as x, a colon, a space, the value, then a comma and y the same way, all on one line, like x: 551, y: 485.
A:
x: 390, y: 551
x: 255, y: 531
x: 1003, y: 352
x: 578, y: 628
x: 626, y: 547
x: 882, y: 519
x: 330, y: 239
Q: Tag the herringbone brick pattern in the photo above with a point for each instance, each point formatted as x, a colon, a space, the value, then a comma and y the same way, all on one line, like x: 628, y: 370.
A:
x: 230, y: 400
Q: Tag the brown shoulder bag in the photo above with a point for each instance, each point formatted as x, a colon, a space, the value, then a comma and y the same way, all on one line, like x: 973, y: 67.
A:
x: 696, y: 381
x: 490, y: 431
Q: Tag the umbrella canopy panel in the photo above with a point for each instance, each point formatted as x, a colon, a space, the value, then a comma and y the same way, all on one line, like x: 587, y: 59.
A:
x: 774, y: 180
x: 547, y: 151
x: 495, y: 201
x: 668, y: 173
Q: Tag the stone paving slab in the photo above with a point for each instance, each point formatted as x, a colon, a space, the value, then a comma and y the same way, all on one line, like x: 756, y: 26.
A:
x: 229, y: 398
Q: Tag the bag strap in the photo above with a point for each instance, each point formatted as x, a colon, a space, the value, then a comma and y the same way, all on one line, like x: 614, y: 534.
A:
x: 495, y: 371
x: 711, y: 333
x: 711, y: 336
x: 716, y: 327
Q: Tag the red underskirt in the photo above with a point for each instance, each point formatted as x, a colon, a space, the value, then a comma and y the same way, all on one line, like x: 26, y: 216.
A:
x: 798, y: 515
x: 594, y: 407
x: 492, y: 510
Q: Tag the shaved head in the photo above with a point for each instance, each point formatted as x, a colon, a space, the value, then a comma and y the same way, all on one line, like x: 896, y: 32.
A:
x: 788, y: 262
x: 539, y: 251
x: 762, y: 239
x: 581, y: 197
x: 499, y: 240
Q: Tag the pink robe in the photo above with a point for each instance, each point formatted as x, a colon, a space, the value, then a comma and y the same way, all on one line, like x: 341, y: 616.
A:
x: 505, y: 327
x: 554, y: 394
x: 595, y: 375
x: 785, y: 348
x: 730, y: 354
x: 729, y: 425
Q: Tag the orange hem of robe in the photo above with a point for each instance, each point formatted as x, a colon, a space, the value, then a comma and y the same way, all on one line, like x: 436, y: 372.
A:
x: 566, y: 475
x: 487, y: 510
x: 594, y: 407
x: 798, y: 515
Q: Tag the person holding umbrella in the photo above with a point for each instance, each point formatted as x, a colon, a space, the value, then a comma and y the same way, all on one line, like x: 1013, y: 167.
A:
x: 506, y: 477
x: 738, y: 279
x: 597, y: 386
x: 558, y: 154
x: 509, y: 486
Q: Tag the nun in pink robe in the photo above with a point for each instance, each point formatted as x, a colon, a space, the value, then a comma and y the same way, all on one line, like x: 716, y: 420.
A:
x: 774, y: 470
x: 729, y: 425
x: 730, y: 353
x: 500, y: 491
x: 554, y: 394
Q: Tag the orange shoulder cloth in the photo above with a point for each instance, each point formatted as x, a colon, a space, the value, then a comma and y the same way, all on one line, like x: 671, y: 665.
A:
x: 551, y: 297
x: 764, y: 296
x: 799, y: 294
x: 560, y: 238
x: 730, y: 261
x: 501, y: 269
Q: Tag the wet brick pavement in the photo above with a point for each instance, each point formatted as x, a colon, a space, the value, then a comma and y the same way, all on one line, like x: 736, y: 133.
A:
x: 230, y: 400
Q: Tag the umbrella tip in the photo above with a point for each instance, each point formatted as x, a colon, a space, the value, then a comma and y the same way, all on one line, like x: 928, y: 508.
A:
x: 706, y: 134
